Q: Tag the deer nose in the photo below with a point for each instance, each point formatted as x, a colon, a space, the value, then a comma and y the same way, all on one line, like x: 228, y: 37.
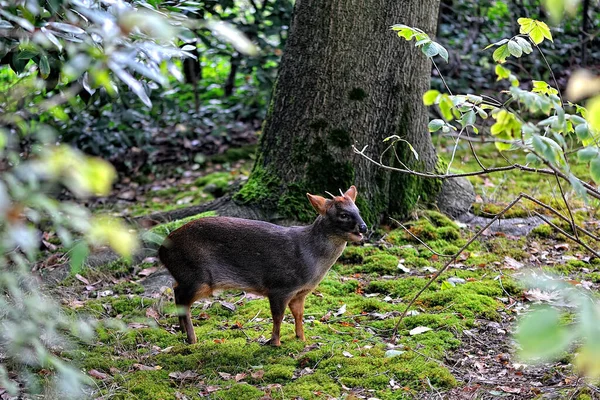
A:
x: 362, y: 228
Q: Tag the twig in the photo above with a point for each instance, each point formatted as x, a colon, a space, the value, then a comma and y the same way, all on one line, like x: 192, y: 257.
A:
x: 419, y: 240
x: 454, y: 257
x: 562, y: 193
x: 573, y: 238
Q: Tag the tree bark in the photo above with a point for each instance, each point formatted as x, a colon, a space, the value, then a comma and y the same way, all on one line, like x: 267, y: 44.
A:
x: 346, y: 79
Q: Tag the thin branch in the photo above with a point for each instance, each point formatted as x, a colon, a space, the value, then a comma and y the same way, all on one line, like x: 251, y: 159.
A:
x: 549, y: 208
x: 452, y: 260
x: 573, y: 238
x: 572, y: 222
x: 419, y: 240
x: 450, y: 176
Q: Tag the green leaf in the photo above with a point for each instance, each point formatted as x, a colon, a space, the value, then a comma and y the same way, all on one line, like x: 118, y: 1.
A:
x: 595, y: 169
x: 515, y: 49
x: 468, y: 118
x: 447, y: 285
x: 593, y: 113
x: 525, y: 45
x: 499, y: 43
x: 44, y: 66
x: 582, y: 131
x: 435, y: 125
x: 430, y: 97
x: 540, y: 334
x: 537, y: 30
x: 501, y: 72
x: 442, y: 52
x: 78, y: 255
x: 501, y: 53
x: 430, y: 50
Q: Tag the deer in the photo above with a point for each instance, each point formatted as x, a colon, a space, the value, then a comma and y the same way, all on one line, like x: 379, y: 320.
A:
x: 283, y: 264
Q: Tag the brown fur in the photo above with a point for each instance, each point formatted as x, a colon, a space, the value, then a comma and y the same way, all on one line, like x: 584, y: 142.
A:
x: 282, y: 263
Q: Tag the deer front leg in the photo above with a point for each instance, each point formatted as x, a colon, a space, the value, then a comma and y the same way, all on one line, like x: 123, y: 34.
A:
x: 278, y: 304
x: 297, y: 308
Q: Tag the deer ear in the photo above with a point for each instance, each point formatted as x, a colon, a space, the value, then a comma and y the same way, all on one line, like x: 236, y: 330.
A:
x: 318, y: 203
x: 351, y: 193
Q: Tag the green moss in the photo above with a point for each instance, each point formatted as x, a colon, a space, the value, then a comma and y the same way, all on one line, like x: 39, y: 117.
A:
x: 543, y: 231
x: 490, y: 210
x: 357, y: 94
x: 315, y: 386
x: 356, y: 254
x: 380, y: 263
x: 216, y: 178
x: 402, y: 288
x: 408, y: 189
x: 147, y: 384
x: 465, y: 301
x: 128, y: 287
x: 165, y: 229
x: 234, y: 154
x: 263, y: 187
x: 279, y: 373
x: 339, y: 138
x: 239, y: 391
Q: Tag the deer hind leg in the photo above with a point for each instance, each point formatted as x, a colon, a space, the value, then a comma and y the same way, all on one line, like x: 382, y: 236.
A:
x: 184, y: 298
x: 297, y: 309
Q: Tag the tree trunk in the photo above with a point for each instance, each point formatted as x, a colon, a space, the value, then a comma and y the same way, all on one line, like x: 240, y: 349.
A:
x: 346, y: 79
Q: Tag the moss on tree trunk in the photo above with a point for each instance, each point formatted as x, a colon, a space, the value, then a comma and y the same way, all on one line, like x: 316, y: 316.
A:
x: 345, y: 79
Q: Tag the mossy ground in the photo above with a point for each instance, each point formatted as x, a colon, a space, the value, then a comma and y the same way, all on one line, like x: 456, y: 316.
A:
x: 496, y: 190
x: 348, y: 321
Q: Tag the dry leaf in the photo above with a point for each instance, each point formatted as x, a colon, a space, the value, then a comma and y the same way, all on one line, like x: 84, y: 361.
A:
x: 94, y: 373
x: 147, y: 271
x: 347, y: 354
x: 257, y: 374
x: 182, y: 376
x: 418, y: 330
x: 82, y: 279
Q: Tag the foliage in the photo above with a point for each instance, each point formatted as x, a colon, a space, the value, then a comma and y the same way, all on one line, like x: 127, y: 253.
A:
x: 51, y: 53
x: 466, y: 27
x: 193, y: 110
x: 548, y: 143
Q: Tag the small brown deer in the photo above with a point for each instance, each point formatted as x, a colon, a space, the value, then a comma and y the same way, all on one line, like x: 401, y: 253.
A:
x: 283, y: 264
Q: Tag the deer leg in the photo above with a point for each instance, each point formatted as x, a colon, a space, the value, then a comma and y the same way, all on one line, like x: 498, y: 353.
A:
x: 278, y: 305
x: 185, y: 297
x: 178, y: 304
x: 297, y: 308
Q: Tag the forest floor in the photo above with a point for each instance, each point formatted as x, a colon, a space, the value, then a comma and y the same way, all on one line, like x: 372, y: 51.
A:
x: 455, y: 343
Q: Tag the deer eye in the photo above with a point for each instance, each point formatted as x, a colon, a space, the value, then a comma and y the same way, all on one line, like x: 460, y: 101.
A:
x: 344, y: 215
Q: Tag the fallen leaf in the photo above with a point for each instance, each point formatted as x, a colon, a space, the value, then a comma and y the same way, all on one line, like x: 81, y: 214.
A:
x: 152, y: 313
x: 418, y: 330
x: 257, y: 374
x: 562, y: 246
x: 240, y: 377
x: 393, y: 353
x: 225, y: 375
x: 340, y: 311
x: 147, y: 271
x: 136, y: 325
x: 511, y: 263
x: 347, y: 354
x: 94, y: 373
x: 182, y: 376
x: 141, y: 367
x: 538, y: 295
x: 509, y: 389
x: 82, y: 279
